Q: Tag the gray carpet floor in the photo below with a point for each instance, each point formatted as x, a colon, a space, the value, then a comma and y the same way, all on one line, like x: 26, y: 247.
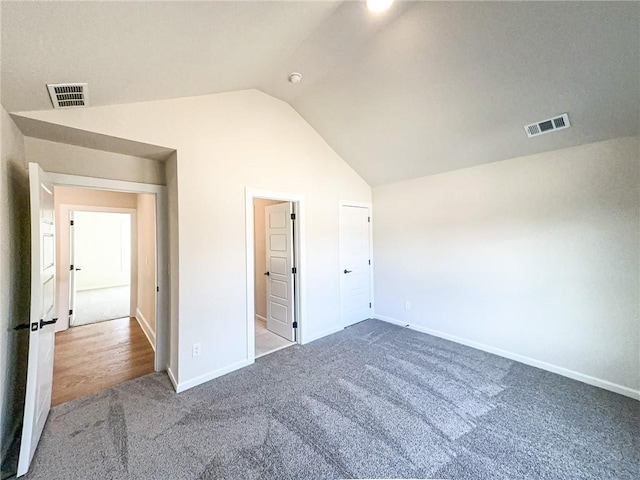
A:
x: 372, y: 401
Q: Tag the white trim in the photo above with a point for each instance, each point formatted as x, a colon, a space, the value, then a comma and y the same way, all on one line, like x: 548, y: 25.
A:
x: 565, y: 372
x: 146, y: 328
x: 104, y: 183
x: 172, y: 378
x: 369, y: 206
x: 261, y: 318
x: 324, y: 333
x: 301, y: 258
x: 163, y: 320
x: 181, y: 387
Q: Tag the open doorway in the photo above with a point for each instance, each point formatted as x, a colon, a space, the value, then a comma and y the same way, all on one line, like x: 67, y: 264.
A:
x: 275, y: 281
x: 107, y: 284
x: 100, y: 267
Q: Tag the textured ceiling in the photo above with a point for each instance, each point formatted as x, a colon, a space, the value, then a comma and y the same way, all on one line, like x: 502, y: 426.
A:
x: 427, y: 87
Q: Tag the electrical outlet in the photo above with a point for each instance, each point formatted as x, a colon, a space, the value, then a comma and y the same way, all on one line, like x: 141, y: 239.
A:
x: 196, y: 350
x: 407, y: 306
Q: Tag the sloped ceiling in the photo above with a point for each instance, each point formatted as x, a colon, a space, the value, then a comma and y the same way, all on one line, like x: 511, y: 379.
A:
x: 425, y: 88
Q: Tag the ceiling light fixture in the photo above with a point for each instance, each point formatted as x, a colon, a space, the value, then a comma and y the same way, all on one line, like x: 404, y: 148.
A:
x: 295, y: 77
x: 378, y: 6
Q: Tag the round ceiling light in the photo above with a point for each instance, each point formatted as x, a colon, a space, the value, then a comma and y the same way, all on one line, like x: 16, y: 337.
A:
x: 295, y: 77
x: 378, y: 6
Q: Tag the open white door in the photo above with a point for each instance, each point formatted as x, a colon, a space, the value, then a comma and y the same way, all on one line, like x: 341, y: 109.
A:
x: 280, y: 280
x: 72, y: 268
x: 355, y: 264
x: 41, y: 330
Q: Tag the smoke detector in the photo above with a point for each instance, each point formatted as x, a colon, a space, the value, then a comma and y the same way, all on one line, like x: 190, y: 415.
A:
x: 295, y: 77
x: 67, y: 95
x: 547, y: 126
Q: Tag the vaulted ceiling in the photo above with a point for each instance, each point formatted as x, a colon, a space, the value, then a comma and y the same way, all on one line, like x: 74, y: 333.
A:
x: 424, y: 88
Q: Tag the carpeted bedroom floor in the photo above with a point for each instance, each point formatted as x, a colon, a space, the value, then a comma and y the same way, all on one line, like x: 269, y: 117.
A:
x: 372, y: 401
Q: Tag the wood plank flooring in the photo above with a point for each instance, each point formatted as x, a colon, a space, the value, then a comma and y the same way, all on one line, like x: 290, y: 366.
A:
x: 93, y: 357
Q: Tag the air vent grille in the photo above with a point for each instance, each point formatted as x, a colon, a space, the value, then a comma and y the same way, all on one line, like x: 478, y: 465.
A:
x: 550, y: 125
x: 65, y: 95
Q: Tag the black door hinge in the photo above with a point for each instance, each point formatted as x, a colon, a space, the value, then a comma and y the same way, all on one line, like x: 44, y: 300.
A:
x: 70, y: 267
x: 369, y: 262
x: 295, y: 324
x: 48, y: 322
x: 369, y: 219
x: 71, y: 223
x: 294, y: 270
x: 70, y: 312
x: 293, y: 216
x: 369, y: 304
x: 157, y: 289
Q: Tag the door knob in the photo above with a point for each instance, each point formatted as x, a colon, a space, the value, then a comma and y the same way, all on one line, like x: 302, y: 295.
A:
x: 78, y: 269
x: 347, y: 271
x: 267, y: 273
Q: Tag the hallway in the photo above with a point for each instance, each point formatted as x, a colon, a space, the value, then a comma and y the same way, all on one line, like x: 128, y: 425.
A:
x: 93, y: 357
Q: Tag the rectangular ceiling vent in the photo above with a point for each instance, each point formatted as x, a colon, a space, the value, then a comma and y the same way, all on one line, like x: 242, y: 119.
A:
x: 66, y: 95
x: 551, y: 125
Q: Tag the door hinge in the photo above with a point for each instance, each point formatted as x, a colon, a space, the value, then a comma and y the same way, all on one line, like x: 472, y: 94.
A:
x: 369, y: 262
x: 157, y: 289
x: 70, y: 312
x: 369, y: 304
x: 23, y: 326
x: 369, y: 219
x: 71, y: 223
x: 293, y: 216
x: 295, y: 324
x: 44, y: 323
x: 70, y: 267
x: 294, y: 270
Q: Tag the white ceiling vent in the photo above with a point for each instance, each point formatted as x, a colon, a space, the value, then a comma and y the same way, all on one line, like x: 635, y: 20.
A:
x: 65, y: 95
x: 551, y: 125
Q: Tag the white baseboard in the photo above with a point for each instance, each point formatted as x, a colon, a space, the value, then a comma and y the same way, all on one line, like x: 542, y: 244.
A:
x: 565, y: 372
x: 261, y: 318
x: 172, y: 378
x: 146, y: 328
x: 181, y: 387
x: 318, y: 336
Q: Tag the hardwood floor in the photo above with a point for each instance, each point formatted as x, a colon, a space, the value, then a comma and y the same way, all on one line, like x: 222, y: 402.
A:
x: 93, y: 357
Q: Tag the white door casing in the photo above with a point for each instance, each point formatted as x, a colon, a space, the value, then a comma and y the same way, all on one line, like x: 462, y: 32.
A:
x: 72, y: 269
x: 355, y: 264
x: 41, y: 330
x: 280, y: 277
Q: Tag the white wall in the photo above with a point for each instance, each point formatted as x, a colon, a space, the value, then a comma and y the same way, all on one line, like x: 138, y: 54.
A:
x: 146, y: 298
x: 171, y: 171
x: 71, y: 159
x: 14, y: 279
x: 72, y: 198
x: 535, y: 256
x: 226, y: 143
x: 102, y: 247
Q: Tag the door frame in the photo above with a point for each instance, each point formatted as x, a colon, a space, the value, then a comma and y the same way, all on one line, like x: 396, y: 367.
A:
x: 163, y: 327
x: 67, y: 209
x: 299, y: 245
x: 369, y: 206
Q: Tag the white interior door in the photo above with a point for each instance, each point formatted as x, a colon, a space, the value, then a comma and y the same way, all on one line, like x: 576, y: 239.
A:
x: 42, y: 330
x: 72, y: 268
x: 280, y: 280
x: 355, y: 264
